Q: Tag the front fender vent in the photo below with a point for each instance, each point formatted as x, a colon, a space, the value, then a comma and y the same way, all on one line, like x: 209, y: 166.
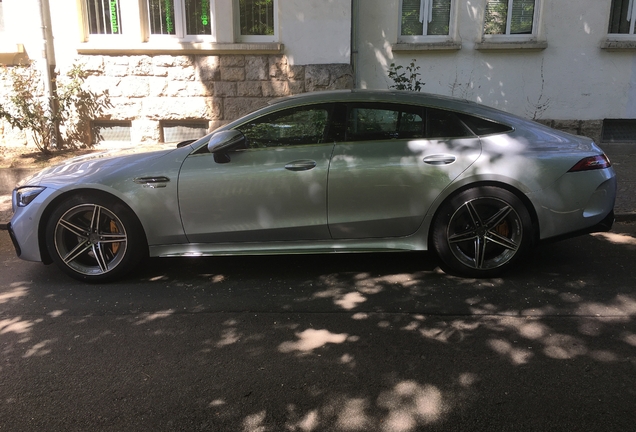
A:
x: 152, y: 182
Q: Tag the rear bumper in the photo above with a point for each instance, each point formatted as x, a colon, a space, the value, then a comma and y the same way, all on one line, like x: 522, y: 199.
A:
x: 577, y: 203
x: 603, y: 226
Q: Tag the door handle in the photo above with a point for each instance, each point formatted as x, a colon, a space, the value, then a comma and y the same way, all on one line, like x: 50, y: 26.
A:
x: 300, y: 165
x: 440, y: 159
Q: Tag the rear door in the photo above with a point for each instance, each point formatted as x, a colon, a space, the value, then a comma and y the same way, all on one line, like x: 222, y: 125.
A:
x: 392, y: 163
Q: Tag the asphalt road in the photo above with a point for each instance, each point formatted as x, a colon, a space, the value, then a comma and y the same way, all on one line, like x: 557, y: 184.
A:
x: 380, y: 342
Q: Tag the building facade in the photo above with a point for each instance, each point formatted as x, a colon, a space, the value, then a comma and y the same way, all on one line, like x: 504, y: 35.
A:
x: 568, y: 63
x: 175, y: 68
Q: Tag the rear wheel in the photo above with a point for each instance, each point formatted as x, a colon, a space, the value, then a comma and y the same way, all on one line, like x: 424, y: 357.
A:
x: 94, y: 238
x: 481, y: 232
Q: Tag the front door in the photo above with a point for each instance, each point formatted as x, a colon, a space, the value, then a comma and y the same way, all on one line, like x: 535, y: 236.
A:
x: 275, y: 190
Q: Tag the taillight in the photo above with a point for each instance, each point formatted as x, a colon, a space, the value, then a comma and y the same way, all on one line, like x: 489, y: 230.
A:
x: 591, y: 163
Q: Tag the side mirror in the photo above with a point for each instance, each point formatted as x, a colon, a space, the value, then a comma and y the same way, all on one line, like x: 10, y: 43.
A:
x: 226, y: 141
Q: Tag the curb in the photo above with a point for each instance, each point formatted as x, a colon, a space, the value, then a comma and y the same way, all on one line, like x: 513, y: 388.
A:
x: 625, y: 217
x: 620, y: 217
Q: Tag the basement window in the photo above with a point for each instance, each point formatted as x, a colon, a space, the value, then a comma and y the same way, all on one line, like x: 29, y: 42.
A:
x: 619, y: 130
x: 176, y: 131
x: 111, y: 131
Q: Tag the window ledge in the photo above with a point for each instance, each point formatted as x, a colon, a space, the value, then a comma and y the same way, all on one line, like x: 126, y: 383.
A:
x: 180, y: 48
x: 12, y: 54
x: 618, y: 44
x: 511, y: 45
x: 427, y: 46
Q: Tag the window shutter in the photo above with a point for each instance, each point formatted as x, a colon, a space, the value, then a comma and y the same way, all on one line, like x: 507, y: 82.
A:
x: 522, y: 17
x: 496, y: 17
x: 257, y: 17
x: 411, y: 25
x: 198, y: 21
x: 161, y: 15
x: 441, y: 18
x: 104, y: 17
x: 619, y: 19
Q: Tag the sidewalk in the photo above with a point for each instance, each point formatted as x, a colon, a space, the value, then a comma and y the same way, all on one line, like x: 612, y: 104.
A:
x: 622, y: 156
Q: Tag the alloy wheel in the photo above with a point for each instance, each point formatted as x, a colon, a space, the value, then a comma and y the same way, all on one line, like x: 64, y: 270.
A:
x: 485, y: 233
x: 90, y: 239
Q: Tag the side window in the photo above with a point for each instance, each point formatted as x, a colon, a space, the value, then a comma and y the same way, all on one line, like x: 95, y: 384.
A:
x: 445, y: 124
x: 481, y: 126
x: 104, y: 17
x: 509, y: 17
x: 622, y: 17
x: 298, y: 126
x: 367, y: 123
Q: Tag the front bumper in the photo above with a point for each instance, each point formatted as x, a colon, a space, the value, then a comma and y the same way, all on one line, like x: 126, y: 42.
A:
x: 14, y: 240
x: 24, y: 227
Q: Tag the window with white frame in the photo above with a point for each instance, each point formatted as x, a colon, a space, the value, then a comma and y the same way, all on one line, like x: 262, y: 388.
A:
x: 510, y: 17
x: 103, y: 17
x: 420, y: 18
x: 180, y: 18
x: 622, y: 17
x: 258, y: 20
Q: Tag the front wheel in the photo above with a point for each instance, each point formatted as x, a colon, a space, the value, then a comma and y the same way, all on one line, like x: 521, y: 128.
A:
x: 94, y: 238
x: 481, y: 232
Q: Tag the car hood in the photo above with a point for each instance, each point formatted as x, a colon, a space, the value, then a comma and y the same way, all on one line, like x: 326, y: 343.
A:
x: 91, y: 168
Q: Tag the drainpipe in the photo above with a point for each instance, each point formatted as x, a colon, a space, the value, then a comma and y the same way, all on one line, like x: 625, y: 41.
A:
x: 48, y: 56
x: 355, y: 10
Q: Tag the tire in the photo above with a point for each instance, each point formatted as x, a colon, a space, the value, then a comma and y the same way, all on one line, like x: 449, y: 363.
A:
x: 95, y: 238
x: 481, y: 232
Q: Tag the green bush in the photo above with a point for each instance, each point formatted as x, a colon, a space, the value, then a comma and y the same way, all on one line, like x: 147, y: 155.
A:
x: 71, y: 106
x: 405, y: 78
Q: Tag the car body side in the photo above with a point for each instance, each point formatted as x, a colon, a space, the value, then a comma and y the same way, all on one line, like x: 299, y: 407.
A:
x: 531, y: 161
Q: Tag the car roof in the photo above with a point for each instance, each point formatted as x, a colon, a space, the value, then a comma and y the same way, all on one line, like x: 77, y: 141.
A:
x: 399, y: 96
x: 363, y: 95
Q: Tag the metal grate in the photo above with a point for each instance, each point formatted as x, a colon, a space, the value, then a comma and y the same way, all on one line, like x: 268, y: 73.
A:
x: 619, y: 130
x: 111, y: 131
x: 181, y: 131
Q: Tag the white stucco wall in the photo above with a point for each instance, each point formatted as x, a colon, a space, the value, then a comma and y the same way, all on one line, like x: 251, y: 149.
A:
x: 315, y: 31
x: 573, y: 78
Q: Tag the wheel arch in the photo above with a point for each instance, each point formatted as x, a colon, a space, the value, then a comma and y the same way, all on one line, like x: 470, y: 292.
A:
x: 493, y: 183
x: 50, y: 208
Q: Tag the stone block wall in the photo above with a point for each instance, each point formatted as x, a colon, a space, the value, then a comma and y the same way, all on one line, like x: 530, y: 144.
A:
x: 147, y: 90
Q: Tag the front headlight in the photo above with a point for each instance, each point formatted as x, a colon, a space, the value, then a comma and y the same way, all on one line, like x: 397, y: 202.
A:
x: 24, y: 195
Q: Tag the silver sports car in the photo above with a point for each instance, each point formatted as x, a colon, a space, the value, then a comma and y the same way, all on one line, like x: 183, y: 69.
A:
x: 345, y: 171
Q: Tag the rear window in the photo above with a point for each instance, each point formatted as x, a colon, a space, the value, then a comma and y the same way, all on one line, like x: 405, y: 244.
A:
x: 445, y: 124
x: 481, y: 126
x: 370, y: 122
